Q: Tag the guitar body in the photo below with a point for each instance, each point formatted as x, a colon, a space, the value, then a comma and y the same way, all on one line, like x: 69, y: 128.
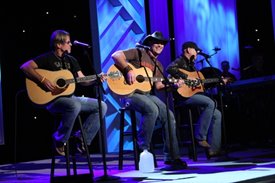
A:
x: 119, y: 86
x: 40, y: 96
x: 187, y: 90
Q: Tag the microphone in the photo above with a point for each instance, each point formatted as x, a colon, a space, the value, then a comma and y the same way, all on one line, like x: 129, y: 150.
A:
x: 143, y: 46
x: 78, y: 43
x: 217, y: 49
x: 204, y: 55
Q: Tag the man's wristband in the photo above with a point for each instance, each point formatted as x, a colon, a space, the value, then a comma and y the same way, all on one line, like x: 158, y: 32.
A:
x: 126, y: 69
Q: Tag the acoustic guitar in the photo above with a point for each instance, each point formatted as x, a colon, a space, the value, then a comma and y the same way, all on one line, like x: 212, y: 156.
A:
x: 143, y: 84
x: 191, y: 88
x: 64, y: 80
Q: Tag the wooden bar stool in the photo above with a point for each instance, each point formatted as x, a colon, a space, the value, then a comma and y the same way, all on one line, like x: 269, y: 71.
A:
x: 69, y: 152
x: 71, y: 156
x: 181, y: 124
x: 133, y: 134
x: 192, y: 152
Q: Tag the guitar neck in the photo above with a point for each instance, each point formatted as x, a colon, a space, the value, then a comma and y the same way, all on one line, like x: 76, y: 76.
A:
x: 210, y: 80
x: 93, y: 77
x: 80, y: 79
x: 84, y: 79
x: 155, y: 79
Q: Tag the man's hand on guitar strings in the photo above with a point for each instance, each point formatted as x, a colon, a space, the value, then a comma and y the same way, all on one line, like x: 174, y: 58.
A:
x: 131, y: 77
x: 49, y: 85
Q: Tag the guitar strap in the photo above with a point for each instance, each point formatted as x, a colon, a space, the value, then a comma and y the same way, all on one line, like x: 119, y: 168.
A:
x: 139, y: 58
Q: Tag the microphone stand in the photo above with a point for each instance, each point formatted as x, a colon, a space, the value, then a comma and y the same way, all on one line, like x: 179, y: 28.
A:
x: 100, y: 88
x: 206, y: 59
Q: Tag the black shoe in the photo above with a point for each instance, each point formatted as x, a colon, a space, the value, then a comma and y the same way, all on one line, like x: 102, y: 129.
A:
x: 59, y: 147
x: 212, y: 154
x: 177, y: 163
x: 79, y: 143
x: 203, y: 143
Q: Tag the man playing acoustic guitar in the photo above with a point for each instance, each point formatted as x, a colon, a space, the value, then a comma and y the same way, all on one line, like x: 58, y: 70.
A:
x: 208, y: 132
x: 45, y: 71
x: 149, y: 105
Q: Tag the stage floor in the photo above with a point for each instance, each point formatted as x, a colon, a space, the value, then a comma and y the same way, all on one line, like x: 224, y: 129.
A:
x: 243, y: 165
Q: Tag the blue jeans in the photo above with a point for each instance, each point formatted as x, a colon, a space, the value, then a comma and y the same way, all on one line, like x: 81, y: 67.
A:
x: 209, y: 122
x: 153, y: 109
x: 69, y: 108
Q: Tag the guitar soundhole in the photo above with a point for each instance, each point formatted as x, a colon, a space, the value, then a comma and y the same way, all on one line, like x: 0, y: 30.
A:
x: 61, y: 83
x: 140, y: 78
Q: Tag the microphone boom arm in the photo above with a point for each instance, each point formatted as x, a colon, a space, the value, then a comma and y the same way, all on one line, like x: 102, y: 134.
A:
x: 206, y: 56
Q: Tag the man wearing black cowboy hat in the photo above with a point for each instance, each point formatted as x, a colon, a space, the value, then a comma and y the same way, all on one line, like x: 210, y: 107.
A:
x: 150, y: 106
x: 208, y: 132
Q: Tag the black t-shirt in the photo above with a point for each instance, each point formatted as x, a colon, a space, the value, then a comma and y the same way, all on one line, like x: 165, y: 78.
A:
x: 50, y: 61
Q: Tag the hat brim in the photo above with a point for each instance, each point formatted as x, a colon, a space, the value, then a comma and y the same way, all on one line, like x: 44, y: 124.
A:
x: 198, y: 49
x: 150, y: 38
x: 191, y: 44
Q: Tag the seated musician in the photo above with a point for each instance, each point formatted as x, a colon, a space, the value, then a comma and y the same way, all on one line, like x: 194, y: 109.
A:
x: 149, y: 105
x: 208, y: 132
x: 68, y: 106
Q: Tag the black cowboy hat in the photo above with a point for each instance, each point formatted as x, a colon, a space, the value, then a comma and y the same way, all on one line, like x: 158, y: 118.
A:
x: 156, y: 37
x: 190, y: 44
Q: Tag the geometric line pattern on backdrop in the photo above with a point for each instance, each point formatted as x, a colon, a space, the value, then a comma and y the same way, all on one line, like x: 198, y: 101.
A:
x: 121, y: 24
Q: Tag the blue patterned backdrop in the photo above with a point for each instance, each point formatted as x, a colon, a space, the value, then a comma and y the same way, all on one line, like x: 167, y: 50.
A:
x: 209, y: 23
x: 121, y: 25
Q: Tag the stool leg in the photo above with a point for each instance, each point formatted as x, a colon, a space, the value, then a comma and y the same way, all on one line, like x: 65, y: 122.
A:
x: 86, y: 146
x: 134, y: 135
x: 154, y: 155
x: 178, y: 123
x: 121, y: 139
x: 52, y: 164
x: 192, y: 135
x: 67, y: 155
x: 74, y: 162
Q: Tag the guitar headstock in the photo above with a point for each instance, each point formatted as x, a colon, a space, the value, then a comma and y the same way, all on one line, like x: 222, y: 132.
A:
x: 115, y: 74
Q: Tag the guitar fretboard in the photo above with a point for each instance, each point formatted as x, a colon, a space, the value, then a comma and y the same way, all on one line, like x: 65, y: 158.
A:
x: 210, y: 80
x: 141, y: 78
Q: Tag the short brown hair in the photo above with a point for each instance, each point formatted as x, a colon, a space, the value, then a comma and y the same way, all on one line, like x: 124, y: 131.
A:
x: 57, y: 37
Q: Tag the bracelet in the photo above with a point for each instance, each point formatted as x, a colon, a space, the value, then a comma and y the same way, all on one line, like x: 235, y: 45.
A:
x: 126, y: 69
x: 43, y: 79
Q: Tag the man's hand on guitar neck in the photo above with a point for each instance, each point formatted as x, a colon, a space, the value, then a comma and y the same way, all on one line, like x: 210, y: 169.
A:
x: 226, y: 80
x: 179, y: 83
x: 103, y: 77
